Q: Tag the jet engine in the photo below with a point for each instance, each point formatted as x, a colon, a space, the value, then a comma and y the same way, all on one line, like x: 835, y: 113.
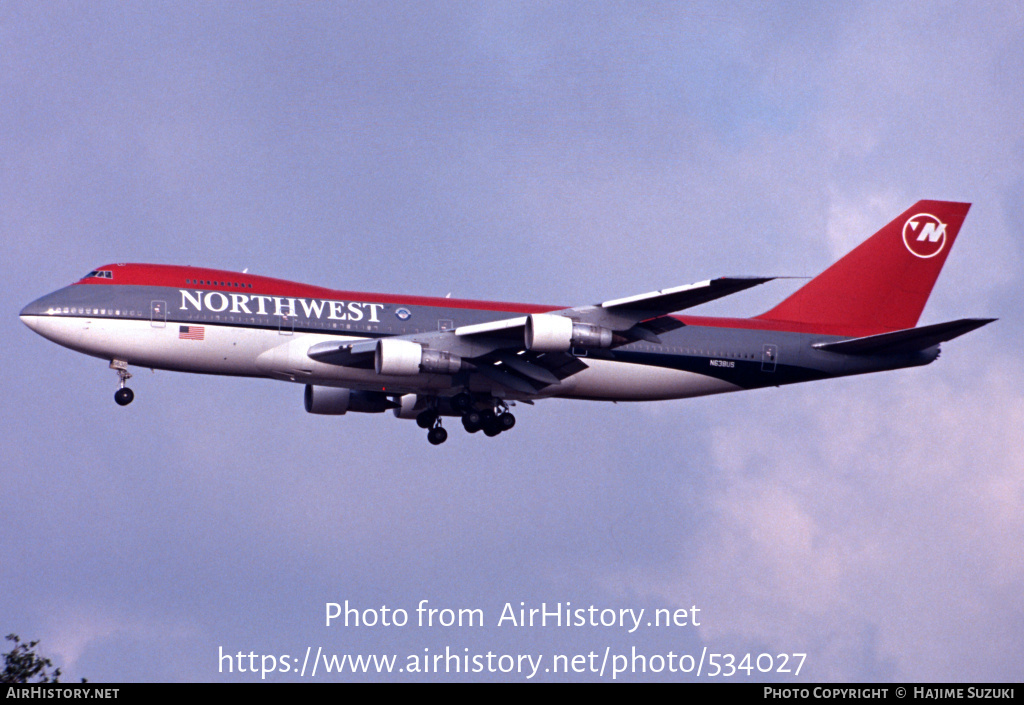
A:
x: 546, y: 332
x: 339, y: 400
x: 404, y: 357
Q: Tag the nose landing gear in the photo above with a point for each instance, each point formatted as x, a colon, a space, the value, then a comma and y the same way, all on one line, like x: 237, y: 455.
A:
x: 123, y: 396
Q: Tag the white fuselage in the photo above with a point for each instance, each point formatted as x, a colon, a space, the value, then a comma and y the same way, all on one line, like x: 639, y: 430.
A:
x: 257, y: 352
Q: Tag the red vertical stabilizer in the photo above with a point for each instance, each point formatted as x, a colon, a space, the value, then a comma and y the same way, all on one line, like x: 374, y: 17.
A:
x: 883, y: 284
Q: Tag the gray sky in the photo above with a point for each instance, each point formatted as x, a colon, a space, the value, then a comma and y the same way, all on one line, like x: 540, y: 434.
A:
x: 557, y: 153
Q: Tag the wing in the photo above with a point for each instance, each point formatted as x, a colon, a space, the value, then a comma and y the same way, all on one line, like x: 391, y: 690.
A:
x: 678, y: 298
x: 530, y: 353
x: 634, y: 317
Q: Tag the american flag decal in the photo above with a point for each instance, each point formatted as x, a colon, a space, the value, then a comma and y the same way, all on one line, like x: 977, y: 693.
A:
x: 191, y: 332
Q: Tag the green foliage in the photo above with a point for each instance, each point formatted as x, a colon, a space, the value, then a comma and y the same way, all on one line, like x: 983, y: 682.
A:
x: 22, y: 664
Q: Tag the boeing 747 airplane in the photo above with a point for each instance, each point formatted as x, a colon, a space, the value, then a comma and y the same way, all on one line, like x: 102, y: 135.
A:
x: 429, y: 358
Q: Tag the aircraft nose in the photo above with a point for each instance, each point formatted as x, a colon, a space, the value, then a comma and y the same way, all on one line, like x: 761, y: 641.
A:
x: 43, y: 317
x: 40, y: 314
x: 30, y: 315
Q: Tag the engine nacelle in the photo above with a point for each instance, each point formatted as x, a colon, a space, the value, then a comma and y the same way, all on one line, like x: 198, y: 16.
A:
x: 339, y: 400
x: 440, y: 361
x: 397, y: 357
x: 404, y: 357
x: 546, y: 332
x: 585, y: 335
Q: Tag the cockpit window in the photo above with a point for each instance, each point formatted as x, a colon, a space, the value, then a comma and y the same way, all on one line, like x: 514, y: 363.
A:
x: 100, y: 273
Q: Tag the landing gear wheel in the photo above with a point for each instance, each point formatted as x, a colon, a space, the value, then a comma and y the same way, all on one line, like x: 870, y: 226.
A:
x: 437, y: 436
x: 506, y: 421
x: 426, y: 419
x: 489, y: 423
x: 124, y: 396
x: 471, y: 421
x: 462, y: 403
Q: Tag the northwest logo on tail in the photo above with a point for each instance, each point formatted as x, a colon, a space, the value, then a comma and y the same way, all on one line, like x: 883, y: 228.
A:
x: 924, y: 235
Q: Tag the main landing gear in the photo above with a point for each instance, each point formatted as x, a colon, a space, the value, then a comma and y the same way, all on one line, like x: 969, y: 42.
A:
x: 492, y: 420
x: 430, y: 419
x: 123, y: 396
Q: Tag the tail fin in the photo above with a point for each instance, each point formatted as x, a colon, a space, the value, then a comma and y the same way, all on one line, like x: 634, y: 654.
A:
x: 883, y: 283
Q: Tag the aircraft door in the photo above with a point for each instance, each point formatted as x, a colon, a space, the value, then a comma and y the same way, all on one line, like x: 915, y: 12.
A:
x: 158, y: 314
x: 769, y: 357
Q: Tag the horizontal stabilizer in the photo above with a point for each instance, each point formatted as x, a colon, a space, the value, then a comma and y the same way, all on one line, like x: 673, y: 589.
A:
x: 905, y: 341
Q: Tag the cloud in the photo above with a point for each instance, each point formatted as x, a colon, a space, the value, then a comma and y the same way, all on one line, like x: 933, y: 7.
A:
x: 891, y: 509
x: 528, y: 152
